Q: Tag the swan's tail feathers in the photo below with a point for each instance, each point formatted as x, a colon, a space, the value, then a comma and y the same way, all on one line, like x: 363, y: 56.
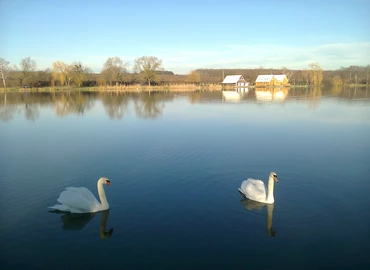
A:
x: 241, y: 191
x: 242, y: 187
x: 59, y: 207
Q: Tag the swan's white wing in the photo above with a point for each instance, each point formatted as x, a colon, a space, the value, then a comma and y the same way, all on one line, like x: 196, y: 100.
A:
x: 254, y: 189
x: 84, y: 192
x: 60, y: 207
x: 79, y: 200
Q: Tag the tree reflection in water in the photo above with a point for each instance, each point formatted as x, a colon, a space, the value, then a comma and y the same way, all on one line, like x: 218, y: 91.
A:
x: 151, y: 105
x: 6, y: 111
x: 115, y: 104
x: 68, y: 103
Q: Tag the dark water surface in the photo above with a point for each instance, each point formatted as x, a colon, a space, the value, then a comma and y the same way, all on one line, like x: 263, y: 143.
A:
x: 175, y: 162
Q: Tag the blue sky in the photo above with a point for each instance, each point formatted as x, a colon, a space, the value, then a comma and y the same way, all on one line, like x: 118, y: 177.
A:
x: 187, y: 35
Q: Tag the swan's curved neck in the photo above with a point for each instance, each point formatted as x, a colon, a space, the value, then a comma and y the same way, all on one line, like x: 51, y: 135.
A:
x: 270, y: 191
x: 103, y: 198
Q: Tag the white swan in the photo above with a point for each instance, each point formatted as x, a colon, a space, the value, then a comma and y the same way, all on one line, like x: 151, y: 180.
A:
x: 81, y: 200
x: 255, y: 189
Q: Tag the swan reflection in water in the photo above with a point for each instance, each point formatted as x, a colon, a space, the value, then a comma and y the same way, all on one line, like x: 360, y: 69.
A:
x: 76, y: 221
x: 257, y: 206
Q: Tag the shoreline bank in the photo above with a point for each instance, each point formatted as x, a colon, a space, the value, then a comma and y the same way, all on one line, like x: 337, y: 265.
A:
x: 158, y: 88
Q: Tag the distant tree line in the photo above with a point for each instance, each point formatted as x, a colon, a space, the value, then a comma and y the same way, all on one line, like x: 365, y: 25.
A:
x: 313, y: 75
x: 148, y: 70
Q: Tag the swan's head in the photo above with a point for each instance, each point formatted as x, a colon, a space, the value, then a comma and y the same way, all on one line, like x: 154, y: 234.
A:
x: 273, y: 175
x: 104, y: 181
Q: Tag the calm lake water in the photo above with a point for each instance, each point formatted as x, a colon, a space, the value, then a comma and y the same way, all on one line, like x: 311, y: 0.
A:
x: 175, y: 162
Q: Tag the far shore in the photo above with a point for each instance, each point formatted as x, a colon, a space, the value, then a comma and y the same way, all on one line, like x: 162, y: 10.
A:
x: 123, y: 88
x: 155, y: 88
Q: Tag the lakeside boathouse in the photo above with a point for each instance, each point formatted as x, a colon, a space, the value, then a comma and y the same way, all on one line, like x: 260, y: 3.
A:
x: 272, y: 80
x: 235, y: 80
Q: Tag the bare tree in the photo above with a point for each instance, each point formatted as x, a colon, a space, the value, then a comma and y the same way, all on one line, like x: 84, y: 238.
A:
x: 27, y: 65
x: 48, y: 75
x: 114, y: 69
x: 336, y: 80
x: 316, y: 75
x: 62, y: 72
x: 148, y: 66
x: 306, y: 76
x: 5, y: 70
x: 79, y: 73
x: 193, y: 77
x: 287, y: 72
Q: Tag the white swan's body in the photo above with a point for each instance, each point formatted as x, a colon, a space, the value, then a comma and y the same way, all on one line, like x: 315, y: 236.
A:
x: 255, y: 189
x: 81, y: 200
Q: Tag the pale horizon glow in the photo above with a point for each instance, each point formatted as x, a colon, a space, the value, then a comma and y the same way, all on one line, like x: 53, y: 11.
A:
x: 188, y: 35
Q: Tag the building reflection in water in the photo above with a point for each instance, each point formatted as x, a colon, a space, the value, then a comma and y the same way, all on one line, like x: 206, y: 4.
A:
x: 266, y: 95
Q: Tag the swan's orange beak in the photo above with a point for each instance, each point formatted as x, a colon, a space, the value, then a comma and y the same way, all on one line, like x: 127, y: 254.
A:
x: 276, y: 179
x: 109, y: 184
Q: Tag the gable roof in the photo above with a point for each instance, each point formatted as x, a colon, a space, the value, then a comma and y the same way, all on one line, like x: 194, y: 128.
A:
x: 233, y: 78
x: 267, y: 78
